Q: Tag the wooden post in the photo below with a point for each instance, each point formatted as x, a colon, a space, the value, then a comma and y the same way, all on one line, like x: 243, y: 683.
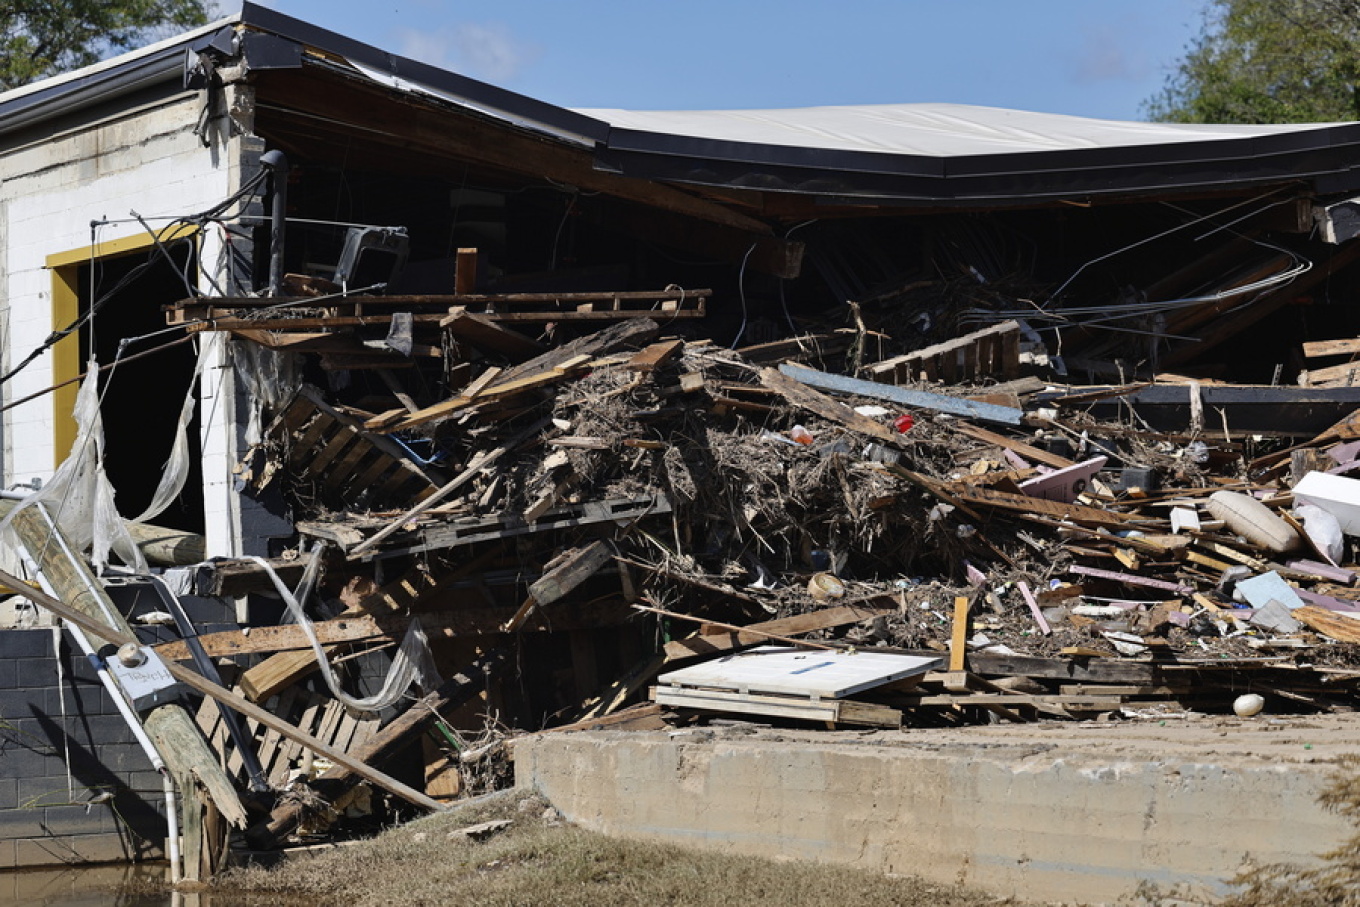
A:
x: 167, y: 547
x: 958, y: 640
x: 465, y: 272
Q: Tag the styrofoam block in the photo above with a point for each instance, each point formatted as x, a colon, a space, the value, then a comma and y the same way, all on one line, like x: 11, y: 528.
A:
x: 1337, y: 495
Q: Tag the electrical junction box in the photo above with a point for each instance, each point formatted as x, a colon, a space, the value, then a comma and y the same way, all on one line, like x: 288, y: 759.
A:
x: 146, y: 681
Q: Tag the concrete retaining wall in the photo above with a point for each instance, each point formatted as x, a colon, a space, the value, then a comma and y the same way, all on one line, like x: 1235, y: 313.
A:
x: 1033, y: 822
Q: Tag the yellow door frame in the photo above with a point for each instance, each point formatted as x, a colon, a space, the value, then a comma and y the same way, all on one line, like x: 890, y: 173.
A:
x: 65, y: 268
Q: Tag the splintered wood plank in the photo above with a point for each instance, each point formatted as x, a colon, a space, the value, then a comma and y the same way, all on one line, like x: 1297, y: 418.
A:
x: 1318, y: 348
x: 801, y: 395
x: 1026, y: 504
x: 958, y: 637
x: 484, y: 333
x: 575, y: 568
x: 652, y: 357
x: 1329, y: 623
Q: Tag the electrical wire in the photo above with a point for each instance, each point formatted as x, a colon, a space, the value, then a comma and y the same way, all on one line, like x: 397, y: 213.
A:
x: 741, y: 292
x: 199, y: 220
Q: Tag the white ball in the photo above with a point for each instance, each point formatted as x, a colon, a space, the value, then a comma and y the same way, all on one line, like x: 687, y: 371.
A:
x: 1248, y: 704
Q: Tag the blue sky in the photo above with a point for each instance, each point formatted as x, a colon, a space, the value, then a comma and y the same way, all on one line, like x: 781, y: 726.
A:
x: 1097, y: 58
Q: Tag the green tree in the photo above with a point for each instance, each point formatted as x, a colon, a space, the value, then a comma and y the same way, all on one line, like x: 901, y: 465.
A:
x: 1267, y: 61
x: 39, y: 38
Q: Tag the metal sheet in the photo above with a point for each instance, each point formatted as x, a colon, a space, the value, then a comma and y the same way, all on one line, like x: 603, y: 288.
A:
x: 815, y: 673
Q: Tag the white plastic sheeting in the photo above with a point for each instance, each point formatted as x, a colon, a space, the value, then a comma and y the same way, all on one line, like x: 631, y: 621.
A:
x: 79, y: 496
x: 269, y: 379
x: 179, y: 464
x: 412, y: 664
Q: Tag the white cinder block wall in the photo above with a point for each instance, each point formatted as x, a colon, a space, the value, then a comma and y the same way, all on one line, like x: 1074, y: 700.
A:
x: 148, y: 161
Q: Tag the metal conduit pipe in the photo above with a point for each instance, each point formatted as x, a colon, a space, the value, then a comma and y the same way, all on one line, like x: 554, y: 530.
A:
x: 276, y: 162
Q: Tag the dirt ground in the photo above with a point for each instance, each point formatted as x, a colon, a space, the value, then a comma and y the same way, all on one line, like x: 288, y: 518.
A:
x: 538, y: 859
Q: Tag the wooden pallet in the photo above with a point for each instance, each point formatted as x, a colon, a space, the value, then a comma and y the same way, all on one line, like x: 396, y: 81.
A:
x: 991, y: 352
x: 456, y: 533
x: 322, y: 717
x: 334, y: 451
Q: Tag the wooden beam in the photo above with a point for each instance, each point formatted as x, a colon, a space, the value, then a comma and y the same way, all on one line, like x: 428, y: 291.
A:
x: 802, y: 396
x: 465, y: 272
x: 487, y: 334
x: 824, y: 619
x: 198, y: 772
x: 1317, y: 349
x: 651, y: 358
x: 577, y: 566
x: 1025, y: 450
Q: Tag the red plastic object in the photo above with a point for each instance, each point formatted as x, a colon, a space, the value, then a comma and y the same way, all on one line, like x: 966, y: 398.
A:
x: 904, y: 422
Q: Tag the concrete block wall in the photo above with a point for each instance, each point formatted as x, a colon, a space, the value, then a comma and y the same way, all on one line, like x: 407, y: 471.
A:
x: 148, y: 161
x: 58, y: 723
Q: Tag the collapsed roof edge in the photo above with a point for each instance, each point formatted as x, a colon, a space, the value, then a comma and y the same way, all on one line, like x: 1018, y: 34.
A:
x: 897, y: 155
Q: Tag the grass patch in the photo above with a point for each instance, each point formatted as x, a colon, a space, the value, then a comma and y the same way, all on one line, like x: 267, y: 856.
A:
x: 541, y: 861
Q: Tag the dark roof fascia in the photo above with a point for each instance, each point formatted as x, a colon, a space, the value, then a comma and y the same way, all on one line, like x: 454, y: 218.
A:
x: 162, y: 70
x: 1330, y: 153
x: 511, y: 105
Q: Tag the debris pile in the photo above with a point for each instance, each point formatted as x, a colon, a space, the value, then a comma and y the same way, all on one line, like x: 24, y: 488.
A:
x: 569, y: 512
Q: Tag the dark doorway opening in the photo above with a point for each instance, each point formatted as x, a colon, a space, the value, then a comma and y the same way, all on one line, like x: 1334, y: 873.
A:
x: 142, y: 398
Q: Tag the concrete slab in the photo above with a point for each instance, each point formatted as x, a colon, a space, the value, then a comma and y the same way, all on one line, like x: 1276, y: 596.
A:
x: 1067, y: 812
